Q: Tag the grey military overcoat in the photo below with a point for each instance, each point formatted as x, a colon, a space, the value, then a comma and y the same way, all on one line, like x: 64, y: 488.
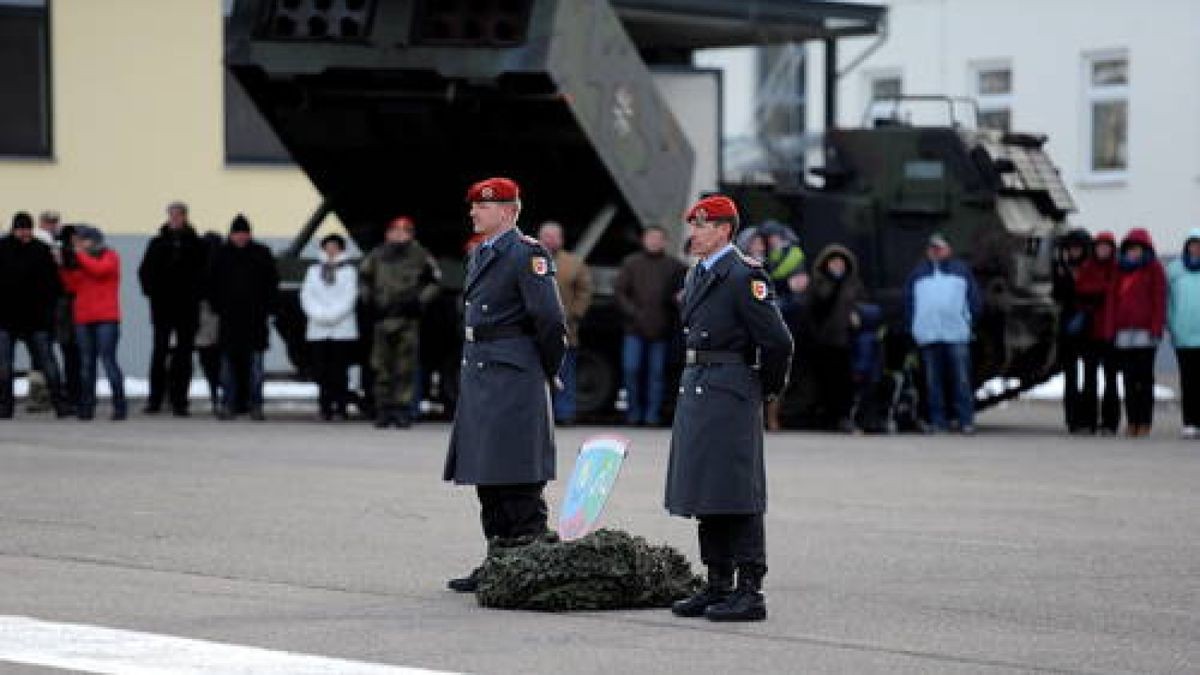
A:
x: 503, y: 429
x: 716, y: 462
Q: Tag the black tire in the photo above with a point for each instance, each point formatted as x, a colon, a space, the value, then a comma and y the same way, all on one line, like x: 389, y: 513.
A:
x: 596, y: 382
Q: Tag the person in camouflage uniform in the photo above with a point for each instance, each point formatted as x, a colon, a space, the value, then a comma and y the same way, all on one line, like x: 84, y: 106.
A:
x: 396, y: 282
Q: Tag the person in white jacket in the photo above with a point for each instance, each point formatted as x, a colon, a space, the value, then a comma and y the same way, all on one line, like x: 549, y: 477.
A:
x: 329, y: 296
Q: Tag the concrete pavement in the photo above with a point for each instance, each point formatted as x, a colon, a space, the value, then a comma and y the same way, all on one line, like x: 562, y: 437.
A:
x: 1018, y: 550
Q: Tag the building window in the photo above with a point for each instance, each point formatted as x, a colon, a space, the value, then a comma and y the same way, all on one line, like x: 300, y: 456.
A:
x: 24, y: 78
x: 992, y: 84
x: 882, y: 90
x: 1106, y: 86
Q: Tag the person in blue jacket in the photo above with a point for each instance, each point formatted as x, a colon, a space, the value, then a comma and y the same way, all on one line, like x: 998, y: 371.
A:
x: 942, y: 300
x: 1183, y: 319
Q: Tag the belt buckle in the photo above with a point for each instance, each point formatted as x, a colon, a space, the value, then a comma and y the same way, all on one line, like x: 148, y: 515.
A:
x: 470, y: 334
x: 690, y: 357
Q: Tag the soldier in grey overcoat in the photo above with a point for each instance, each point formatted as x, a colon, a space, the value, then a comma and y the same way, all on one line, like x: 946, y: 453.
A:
x: 502, y: 441
x: 738, y: 352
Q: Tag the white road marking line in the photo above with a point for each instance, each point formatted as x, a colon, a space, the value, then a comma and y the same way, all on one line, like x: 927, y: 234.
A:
x: 94, y: 649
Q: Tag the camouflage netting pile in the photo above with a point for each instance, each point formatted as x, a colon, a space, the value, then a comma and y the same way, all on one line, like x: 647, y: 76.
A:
x: 607, y: 569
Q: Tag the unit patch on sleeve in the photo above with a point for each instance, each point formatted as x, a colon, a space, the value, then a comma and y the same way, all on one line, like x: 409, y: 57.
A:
x: 758, y: 289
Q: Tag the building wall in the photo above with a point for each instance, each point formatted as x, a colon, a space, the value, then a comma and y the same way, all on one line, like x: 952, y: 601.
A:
x: 933, y: 45
x: 137, y: 105
x: 138, y: 121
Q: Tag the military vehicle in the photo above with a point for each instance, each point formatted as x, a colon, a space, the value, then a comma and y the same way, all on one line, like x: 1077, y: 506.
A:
x: 395, y: 106
x: 883, y: 190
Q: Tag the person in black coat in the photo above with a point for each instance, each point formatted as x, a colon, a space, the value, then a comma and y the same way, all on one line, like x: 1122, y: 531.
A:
x: 29, y: 292
x: 171, y: 275
x: 833, y: 298
x: 243, y: 287
x: 738, y: 354
x: 502, y: 441
x: 1074, y: 331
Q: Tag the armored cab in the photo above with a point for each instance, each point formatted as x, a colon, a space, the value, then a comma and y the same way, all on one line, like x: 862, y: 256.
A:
x: 996, y: 196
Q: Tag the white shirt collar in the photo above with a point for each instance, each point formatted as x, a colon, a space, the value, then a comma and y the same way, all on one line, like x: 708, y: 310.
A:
x: 712, y: 259
x: 490, y: 241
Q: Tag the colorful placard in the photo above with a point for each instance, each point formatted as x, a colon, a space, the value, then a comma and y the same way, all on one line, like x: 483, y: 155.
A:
x: 596, y: 470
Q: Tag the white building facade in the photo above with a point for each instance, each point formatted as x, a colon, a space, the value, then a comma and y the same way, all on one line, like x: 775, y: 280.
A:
x: 1115, y: 84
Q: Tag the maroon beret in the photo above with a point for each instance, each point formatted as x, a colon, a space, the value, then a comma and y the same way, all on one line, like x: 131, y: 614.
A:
x: 494, y: 190
x: 716, y: 207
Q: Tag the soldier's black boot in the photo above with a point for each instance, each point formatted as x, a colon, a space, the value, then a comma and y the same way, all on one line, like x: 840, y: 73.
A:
x: 746, y: 603
x: 63, y: 408
x: 383, y: 418
x: 720, y: 585
x: 401, y: 419
x: 467, y: 584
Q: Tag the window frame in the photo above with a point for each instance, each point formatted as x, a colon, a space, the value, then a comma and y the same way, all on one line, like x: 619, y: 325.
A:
x: 872, y: 104
x: 992, y: 103
x: 47, y: 93
x: 1092, y: 94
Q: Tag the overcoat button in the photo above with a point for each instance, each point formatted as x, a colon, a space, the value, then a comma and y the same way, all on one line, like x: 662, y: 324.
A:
x: 699, y: 390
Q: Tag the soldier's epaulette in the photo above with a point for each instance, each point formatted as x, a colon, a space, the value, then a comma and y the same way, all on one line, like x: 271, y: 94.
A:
x: 750, y: 262
x: 540, y: 259
x: 535, y: 247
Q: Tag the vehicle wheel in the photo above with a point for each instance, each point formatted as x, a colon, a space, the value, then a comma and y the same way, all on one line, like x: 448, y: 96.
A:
x: 596, y: 382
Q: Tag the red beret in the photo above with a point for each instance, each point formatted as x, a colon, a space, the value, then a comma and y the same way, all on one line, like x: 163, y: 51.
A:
x: 494, y: 190
x: 1106, y: 237
x: 403, y: 222
x: 716, y: 207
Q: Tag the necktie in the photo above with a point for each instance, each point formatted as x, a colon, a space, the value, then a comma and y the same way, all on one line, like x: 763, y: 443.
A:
x: 476, y: 259
x: 698, y: 276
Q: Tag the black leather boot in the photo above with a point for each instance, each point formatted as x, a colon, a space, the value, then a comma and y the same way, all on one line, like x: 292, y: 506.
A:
x: 746, y: 603
x: 720, y: 585
x: 467, y: 584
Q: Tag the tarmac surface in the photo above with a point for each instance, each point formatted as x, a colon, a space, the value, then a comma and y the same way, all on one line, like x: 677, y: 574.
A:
x: 1020, y: 549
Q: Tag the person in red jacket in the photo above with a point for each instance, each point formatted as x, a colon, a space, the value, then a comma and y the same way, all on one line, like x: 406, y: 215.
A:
x: 93, y: 275
x: 1139, y: 314
x: 1095, y: 286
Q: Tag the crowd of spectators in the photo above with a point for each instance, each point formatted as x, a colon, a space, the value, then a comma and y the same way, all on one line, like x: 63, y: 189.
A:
x: 60, y: 287
x: 214, y: 297
x: 1118, y: 304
